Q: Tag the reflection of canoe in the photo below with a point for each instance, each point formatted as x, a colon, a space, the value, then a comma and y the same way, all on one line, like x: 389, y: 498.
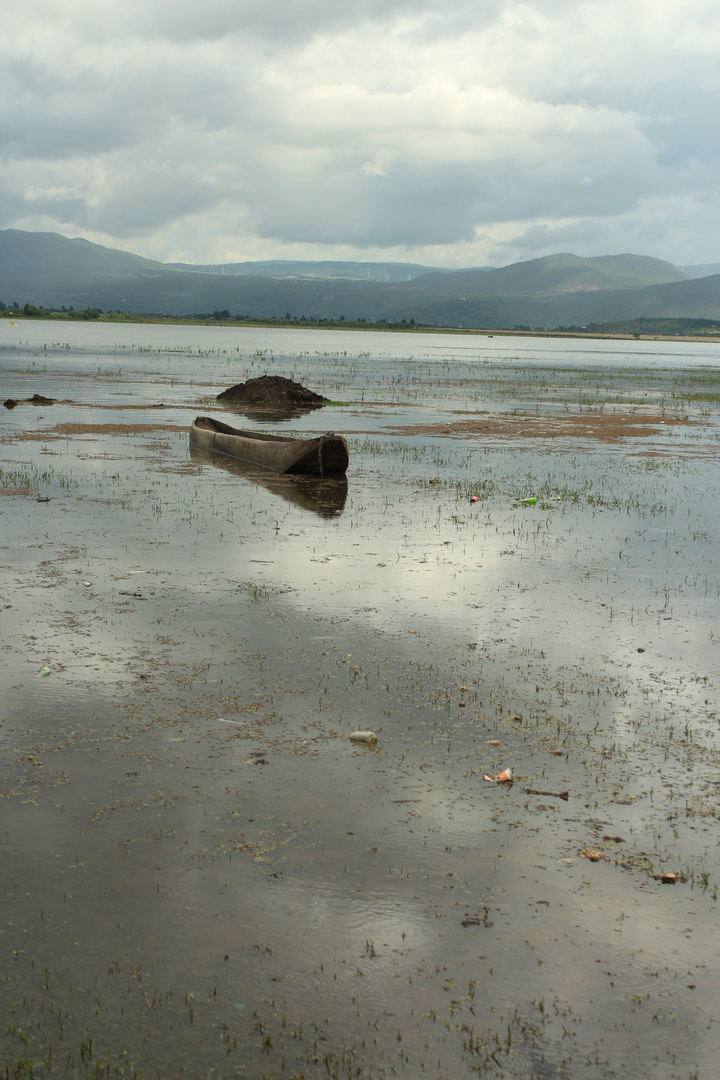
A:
x: 323, y: 456
x: 324, y: 497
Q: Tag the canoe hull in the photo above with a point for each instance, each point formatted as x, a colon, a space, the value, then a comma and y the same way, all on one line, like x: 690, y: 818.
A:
x: 323, y: 456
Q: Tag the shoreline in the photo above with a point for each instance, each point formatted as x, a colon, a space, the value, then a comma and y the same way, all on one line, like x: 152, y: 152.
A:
x: 389, y: 328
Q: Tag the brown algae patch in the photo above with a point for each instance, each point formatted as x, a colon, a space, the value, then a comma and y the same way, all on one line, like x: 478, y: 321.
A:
x: 61, y: 431
x: 602, y: 427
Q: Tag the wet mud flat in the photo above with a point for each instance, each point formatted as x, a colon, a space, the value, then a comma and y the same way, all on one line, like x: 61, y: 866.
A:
x: 202, y: 874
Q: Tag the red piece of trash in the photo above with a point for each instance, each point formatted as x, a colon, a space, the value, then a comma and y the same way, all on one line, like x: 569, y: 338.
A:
x: 504, y: 777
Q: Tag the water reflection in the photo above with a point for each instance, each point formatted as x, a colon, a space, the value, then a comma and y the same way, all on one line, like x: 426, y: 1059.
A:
x: 272, y: 413
x: 325, y: 497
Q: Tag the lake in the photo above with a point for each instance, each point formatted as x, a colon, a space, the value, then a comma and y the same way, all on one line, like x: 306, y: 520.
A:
x: 202, y: 875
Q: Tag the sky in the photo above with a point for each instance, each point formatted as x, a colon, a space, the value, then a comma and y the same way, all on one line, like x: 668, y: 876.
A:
x: 445, y: 132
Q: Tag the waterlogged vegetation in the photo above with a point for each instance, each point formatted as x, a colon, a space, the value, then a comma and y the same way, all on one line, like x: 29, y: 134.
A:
x: 202, y: 875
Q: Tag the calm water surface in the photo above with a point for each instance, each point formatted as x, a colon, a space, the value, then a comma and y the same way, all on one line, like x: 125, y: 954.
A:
x: 201, y: 875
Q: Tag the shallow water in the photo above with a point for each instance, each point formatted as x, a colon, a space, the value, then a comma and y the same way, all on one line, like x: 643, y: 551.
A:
x: 201, y: 875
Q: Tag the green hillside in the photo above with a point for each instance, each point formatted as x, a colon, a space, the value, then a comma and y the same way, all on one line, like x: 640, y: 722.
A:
x: 46, y: 262
x: 555, y: 274
x: 47, y: 270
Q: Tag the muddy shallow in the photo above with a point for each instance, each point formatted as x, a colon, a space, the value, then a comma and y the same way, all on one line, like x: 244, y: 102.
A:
x: 202, y: 875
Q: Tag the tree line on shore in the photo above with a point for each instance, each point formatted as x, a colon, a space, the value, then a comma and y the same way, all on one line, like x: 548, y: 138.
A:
x: 640, y: 327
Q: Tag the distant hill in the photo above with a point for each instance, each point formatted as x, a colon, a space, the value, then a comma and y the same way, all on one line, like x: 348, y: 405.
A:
x: 326, y: 270
x: 556, y: 274
x: 702, y: 269
x: 48, y: 270
x: 44, y: 262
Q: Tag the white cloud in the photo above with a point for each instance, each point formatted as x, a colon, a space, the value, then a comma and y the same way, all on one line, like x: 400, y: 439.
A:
x: 446, y: 132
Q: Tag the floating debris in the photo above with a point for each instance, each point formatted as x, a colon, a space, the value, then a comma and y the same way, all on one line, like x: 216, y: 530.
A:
x: 591, y: 854
x: 548, y: 794
x: 367, y: 738
x: 504, y: 777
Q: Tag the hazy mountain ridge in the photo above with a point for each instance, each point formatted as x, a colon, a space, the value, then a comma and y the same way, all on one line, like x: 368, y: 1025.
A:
x: 324, y: 270
x: 699, y: 270
x: 564, y: 289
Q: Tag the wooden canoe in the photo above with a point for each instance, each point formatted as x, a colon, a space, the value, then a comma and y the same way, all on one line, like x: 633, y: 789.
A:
x: 323, y: 456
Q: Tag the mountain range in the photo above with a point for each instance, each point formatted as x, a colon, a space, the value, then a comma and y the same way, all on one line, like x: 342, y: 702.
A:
x: 51, y: 271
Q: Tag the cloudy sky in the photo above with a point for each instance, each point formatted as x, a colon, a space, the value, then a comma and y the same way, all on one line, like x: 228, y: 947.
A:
x: 447, y: 132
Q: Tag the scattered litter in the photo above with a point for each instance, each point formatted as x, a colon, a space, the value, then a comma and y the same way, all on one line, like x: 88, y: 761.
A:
x: 45, y: 671
x: 557, y: 753
x: 640, y: 648
x: 43, y: 498
x: 504, y: 777
x: 473, y: 498
x: 532, y: 501
x: 668, y: 878
x: 238, y: 723
x: 548, y: 794
x: 87, y: 584
x: 367, y: 738
x: 494, y: 742
x: 591, y: 854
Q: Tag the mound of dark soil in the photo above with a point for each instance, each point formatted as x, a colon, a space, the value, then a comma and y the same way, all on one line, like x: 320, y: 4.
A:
x: 36, y: 399
x: 269, y: 391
